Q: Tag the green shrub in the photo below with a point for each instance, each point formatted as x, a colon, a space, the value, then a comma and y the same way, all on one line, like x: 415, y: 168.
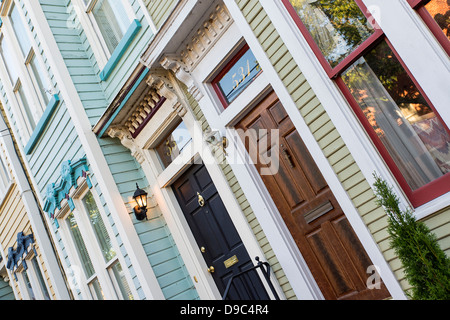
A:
x: 426, y: 266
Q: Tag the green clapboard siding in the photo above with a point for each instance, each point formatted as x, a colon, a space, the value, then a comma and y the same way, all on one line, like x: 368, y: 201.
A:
x: 330, y: 141
x: 160, y: 10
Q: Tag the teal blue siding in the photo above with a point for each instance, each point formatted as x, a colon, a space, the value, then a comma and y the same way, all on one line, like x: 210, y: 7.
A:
x: 78, y: 59
x: 96, y: 95
x: 154, y: 234
x: 121, y: 49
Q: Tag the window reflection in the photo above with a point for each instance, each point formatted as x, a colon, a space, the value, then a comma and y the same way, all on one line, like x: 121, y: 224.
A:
x: 440, y: 11
x: 337, y: 26
x: 409, y: 129
x: 99, y: 227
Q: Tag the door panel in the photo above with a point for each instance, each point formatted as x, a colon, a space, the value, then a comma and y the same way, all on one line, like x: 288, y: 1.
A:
x: 214, y: 231
x: 318, y: 225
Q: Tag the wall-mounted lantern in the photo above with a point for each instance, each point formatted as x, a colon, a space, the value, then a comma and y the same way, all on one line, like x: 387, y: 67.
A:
x: 140, y: 196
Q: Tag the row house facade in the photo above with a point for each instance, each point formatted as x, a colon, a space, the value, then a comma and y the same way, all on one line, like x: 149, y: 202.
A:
x: 253, y: 130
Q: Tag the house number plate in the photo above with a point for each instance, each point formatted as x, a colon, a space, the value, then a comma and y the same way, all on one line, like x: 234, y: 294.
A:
x: 229, y: 262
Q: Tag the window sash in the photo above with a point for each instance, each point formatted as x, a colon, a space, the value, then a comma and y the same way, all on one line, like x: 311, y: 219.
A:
x: 4, y: 179
x: 98, y: 227
x: 104, y: 278
x: 80, y: 246
x: 28, y: 285
x: 418, y: 196
x: 120, y: 282
x: 23, y: 102
x: 8, y: 55
x: 40, y: 81
x: 19, y: 29
x: 363, y: 47
x: 96, y: 289
x: 40, y: 278
x: 111, y: 19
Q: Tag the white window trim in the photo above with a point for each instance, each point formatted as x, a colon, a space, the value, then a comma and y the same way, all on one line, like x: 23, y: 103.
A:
x: 22, y: 126
x: 92, y: 31
x: 101, y: 268
x: 32, y: 276
x: 32, y: 54
x: 8, y: 186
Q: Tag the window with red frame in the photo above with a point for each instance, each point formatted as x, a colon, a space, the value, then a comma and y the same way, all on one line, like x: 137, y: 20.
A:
x: 436, y: 14
x: 399, y: 118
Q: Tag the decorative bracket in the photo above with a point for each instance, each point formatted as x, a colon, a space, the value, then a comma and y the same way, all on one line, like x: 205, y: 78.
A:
x: 17, y: 256
x: 175, y: 64
x: 55, y: 193
x: 161, y: 82
x: 127, y: 141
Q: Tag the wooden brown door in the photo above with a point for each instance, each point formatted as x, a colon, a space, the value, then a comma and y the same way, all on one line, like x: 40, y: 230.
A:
x: 322, y: 233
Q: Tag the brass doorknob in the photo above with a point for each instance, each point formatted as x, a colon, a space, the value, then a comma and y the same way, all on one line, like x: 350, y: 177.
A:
x: 211, y: 269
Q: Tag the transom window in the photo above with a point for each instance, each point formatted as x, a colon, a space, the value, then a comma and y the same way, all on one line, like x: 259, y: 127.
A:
x: 173, y: 144
x: 406, y: 129
x: 236, y: 76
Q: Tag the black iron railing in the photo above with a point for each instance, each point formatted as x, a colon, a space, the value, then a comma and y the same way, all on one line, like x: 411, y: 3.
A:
x: 243, y: 282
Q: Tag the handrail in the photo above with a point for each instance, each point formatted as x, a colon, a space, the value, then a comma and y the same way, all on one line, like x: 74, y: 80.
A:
x: 265, y: 271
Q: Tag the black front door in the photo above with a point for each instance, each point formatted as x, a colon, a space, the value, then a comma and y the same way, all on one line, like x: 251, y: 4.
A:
x: 216, y: 236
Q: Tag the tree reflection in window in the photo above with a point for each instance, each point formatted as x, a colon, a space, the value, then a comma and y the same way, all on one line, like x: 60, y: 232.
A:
x: 414, y: 137
x: 98, y: 227
x: 337, y: 26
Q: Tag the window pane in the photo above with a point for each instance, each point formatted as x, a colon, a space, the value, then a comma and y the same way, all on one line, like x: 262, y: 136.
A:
x: 337, y: 26
x: 4, y: 178
x: 80, y: 246
x: 26, y: 107
x: 41, y: 81
x: 241, y: 74
x: 112, y: 21
x: 96, y: 290
x: 99, y: 227
x: 122, y: 281
x: 40, y: 278
x: 171, y: 147
x: 19, y: 30
x: 415, y: 138
x: 10, y: 60
x: 28, y: 285
x: 440, y: 11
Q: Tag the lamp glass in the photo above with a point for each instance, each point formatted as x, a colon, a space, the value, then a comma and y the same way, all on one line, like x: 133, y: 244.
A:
x: 142, y: 201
